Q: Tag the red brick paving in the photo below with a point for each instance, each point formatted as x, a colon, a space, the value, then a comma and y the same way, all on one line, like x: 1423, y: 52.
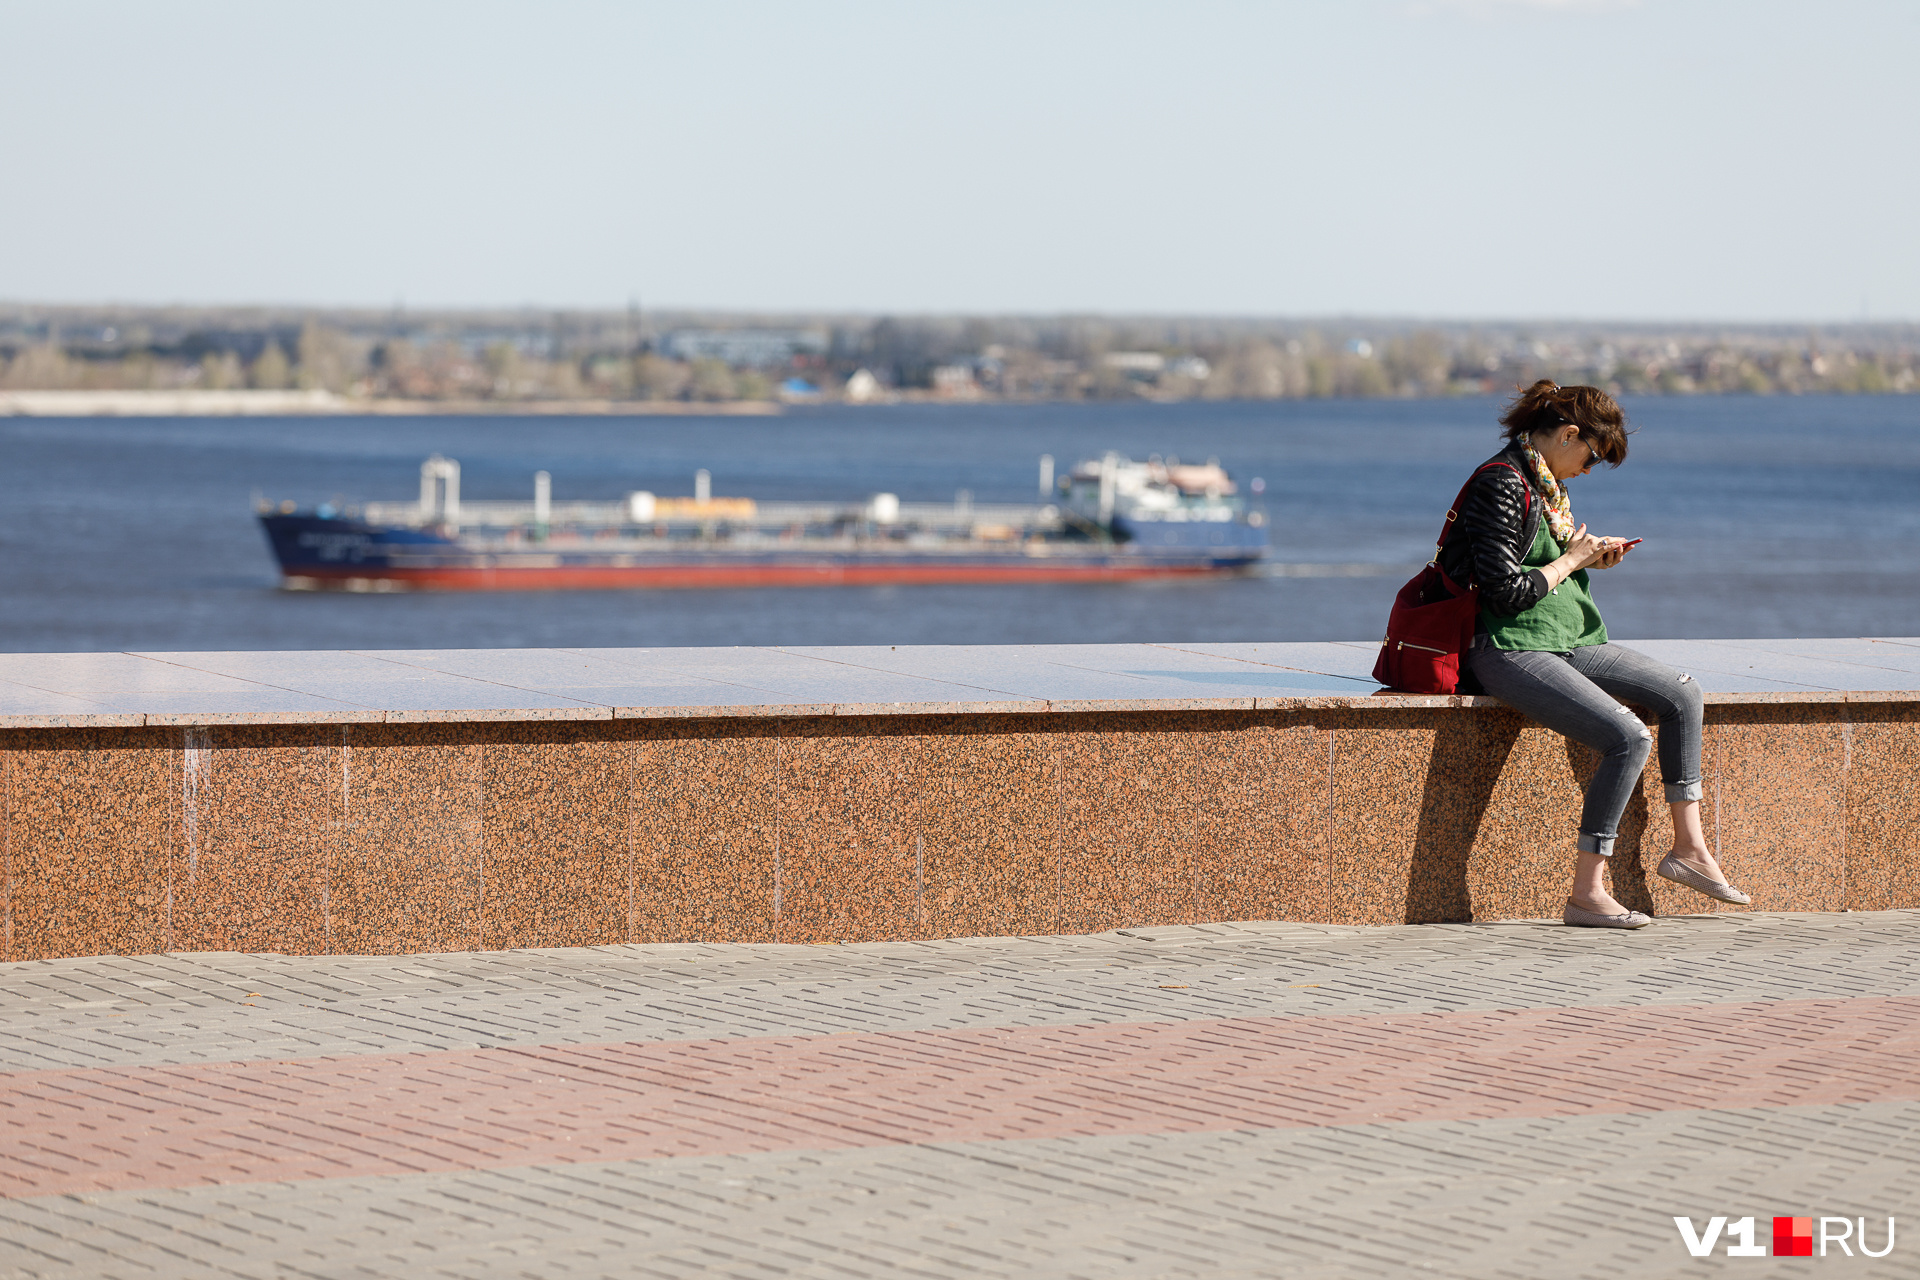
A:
x: 112, y: 1128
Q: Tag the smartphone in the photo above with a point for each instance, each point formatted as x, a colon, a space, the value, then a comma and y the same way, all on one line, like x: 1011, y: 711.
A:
x: 1627, y: 546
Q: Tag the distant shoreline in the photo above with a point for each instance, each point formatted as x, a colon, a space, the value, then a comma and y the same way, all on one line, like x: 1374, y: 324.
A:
x: 255, y: 404
x: 279, y: 404
x: 160, y: 361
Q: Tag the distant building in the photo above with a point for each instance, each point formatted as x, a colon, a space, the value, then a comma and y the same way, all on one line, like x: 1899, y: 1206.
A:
x: 862, y: 387
x: 1148, y: 366
x: 744, y: 348
x: 1138, y: 363
x: 955, y: 382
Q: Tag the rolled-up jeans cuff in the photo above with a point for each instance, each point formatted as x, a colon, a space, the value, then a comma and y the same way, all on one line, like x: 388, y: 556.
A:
x: 1678, y: 791
x: 1602, y: 845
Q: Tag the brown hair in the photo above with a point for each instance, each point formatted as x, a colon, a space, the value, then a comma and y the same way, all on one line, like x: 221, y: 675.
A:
x: 1546, y: 405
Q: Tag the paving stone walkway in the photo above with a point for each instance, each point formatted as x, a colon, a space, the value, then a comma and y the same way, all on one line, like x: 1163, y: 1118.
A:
x: 1249, y: 1100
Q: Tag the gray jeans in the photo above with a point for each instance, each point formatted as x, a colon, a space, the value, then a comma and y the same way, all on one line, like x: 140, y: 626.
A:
x: 1581, y: 694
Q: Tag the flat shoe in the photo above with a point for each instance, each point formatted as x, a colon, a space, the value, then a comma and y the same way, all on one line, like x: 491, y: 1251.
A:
x: 1595, y: 920
x: 1671, y: 868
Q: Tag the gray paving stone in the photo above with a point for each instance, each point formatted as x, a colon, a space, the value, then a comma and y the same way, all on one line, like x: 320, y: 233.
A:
x: 1586, y: 1197
x: 149, y: 1010
x: 1522, y: 1198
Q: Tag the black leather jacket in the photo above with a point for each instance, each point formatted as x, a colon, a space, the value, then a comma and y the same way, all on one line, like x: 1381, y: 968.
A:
x: 1494, y: 531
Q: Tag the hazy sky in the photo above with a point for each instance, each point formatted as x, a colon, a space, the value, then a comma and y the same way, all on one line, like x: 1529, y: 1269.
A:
x: 1712, y: 159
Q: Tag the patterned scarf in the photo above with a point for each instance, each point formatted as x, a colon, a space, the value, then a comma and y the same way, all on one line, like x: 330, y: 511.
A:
x: 1559, y: 509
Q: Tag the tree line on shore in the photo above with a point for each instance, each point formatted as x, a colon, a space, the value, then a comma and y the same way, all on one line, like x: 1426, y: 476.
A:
x: 566, y: 356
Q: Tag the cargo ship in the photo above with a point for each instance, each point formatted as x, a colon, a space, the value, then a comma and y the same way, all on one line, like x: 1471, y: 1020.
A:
x: 1105, y: 519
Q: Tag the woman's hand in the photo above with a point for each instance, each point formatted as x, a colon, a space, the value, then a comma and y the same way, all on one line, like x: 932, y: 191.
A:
x: 1582, y: 550
x: 1587, y: 549
x: 1614, y: 550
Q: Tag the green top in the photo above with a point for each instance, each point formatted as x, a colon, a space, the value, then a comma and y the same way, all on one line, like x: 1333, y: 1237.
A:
x: 1564, y: 619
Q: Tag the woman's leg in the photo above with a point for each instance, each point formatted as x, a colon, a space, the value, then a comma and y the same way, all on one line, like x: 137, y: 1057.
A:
x: 1690, y: 842
x: 1675, y: 698
x: 1590, y: 886
x: 1546, y: 687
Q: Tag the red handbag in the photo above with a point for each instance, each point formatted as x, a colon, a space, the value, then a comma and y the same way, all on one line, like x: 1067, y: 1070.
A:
x: 1433, y: 618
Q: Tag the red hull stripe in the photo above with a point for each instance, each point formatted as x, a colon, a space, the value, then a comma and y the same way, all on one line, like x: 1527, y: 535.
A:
x: 590, y: 576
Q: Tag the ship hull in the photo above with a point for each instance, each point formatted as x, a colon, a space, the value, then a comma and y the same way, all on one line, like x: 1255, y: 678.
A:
x: 338, y: 555
x: 592, y: 577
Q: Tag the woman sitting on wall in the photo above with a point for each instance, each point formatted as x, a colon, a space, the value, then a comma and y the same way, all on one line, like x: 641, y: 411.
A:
x: 1541, y: 648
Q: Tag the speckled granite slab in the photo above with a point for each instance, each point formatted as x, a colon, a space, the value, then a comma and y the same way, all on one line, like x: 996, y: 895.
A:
x: 420, y: 801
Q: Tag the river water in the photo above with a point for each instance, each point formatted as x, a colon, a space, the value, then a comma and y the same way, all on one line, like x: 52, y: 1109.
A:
x: 1762, y: 517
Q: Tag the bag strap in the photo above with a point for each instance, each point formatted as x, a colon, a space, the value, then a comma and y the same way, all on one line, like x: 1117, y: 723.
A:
x: 1453, y: 512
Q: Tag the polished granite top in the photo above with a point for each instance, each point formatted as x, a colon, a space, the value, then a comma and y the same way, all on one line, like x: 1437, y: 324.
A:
x: 46, y: 690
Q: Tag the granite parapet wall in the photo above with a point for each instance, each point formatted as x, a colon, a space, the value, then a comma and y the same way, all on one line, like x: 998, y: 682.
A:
x: 396, y: 838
